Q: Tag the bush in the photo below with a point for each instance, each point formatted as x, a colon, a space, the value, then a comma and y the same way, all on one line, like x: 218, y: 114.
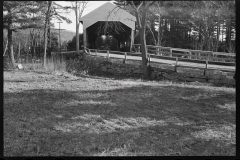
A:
x: 79, y: 65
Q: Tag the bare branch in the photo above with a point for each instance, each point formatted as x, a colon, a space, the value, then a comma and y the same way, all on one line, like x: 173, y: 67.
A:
x: 152, y: 34
x: 139, y: 5
x: 107, y: 26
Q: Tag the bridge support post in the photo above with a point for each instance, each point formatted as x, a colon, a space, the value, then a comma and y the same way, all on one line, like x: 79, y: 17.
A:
x: 132, y: 39
x: 85, y: 37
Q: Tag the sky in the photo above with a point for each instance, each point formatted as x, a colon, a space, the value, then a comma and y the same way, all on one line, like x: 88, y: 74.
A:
x: 72, y: 26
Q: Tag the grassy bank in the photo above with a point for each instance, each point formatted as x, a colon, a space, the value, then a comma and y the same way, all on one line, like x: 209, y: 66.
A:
x: 58, y: 114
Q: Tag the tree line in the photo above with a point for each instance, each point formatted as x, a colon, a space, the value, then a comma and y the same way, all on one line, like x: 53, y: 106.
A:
x: 200, y: 25
x: 35, y: 19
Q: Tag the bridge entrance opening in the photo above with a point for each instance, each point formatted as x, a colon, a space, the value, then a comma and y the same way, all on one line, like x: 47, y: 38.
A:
x: 106, y: 43
x: 112, y: 35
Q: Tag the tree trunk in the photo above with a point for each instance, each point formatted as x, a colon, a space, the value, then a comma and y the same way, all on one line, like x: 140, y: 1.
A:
x: 152, y: 30
x: 144, y: 54
x: 34, y: 49
x: 159, y: 35
x: 165, y: 25
x: 159, y: 31
x: 28, y: 50
x: 10, y: 46
x: 5, y: 48
x: 33, y: 44
x: 39, y: 45
x: 19, y: 50
x: 200, y: 38
x: 49, y: 48
x: 45, y: 47
x: 145, y: 63
x: 217, y: 38
x: 228, y: 35
x: 77, y: 28
x: 45, y: 34
x: 222, y: 31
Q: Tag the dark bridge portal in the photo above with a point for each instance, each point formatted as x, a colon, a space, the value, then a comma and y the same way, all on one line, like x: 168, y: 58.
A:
x: 118, y: 30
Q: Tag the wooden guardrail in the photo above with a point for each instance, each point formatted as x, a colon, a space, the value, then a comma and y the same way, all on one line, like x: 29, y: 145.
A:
x: 189, y: 54
x: 167, y: 56
x: 193, y: 56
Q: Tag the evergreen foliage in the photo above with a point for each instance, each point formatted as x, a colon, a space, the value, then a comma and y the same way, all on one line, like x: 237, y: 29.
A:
x: 71, y: 45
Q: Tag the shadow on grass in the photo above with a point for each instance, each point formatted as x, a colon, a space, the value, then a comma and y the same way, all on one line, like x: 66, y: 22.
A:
x: 140, y: 120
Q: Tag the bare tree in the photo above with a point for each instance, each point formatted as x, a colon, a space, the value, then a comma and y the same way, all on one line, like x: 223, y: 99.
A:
x: 140, y: 8
x: 78, y: 7
x: 141, y: 13
x: 45, y: 34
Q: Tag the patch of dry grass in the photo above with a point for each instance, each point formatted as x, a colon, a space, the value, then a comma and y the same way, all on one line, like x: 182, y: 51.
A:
x: 59, y: 114
x: 54, y: 64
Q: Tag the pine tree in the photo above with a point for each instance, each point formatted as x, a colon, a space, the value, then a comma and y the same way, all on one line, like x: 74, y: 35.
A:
x: 18, y: 15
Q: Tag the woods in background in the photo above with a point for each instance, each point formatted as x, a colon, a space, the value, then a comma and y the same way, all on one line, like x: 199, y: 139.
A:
x: 199, y: 25
x: 34, y: 16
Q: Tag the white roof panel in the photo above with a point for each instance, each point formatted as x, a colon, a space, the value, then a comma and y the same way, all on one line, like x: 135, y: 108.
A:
x: 108, y: 12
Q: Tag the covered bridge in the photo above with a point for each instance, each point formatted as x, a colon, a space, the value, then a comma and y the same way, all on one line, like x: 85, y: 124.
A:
x: 108, y: 12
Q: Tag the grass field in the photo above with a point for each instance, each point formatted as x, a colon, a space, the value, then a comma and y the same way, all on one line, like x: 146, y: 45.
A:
x: 58, y: 114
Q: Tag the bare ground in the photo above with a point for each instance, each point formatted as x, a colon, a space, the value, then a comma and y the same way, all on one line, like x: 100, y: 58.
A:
x: 63, y: 115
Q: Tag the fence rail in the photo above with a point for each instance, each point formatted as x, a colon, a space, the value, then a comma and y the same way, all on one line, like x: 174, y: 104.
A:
x: 168, y: 53
x: 189, y: 54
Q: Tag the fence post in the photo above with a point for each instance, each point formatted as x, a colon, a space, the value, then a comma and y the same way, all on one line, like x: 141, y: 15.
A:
x: 125, y: 57
x: 170, y: 53
x: 108, y: 54
x: 206, y: 67
x: 96, y: 52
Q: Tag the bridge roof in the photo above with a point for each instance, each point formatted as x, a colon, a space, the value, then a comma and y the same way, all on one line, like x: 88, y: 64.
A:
x: 108, y: 12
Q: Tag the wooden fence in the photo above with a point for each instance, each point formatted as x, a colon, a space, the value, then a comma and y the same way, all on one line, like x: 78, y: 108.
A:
x: 174, y: 54
x: 188, y: 54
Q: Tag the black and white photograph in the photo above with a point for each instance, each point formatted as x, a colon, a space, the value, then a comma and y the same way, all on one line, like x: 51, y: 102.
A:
x: 119, y: 78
